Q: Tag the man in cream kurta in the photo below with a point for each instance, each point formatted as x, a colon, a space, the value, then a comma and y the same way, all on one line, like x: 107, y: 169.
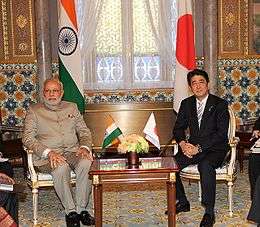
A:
x: 61, y: 141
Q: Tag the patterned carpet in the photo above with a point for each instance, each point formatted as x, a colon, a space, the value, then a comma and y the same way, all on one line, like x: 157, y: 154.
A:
x: 142, y: 205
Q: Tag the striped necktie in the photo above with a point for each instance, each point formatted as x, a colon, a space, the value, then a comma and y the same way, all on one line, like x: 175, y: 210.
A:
x: 199, y: 111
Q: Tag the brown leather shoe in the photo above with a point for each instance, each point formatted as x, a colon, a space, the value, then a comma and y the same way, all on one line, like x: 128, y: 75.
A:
x: 86, y: 218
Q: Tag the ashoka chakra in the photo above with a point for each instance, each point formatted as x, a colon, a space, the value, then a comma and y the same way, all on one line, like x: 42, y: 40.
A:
x: 67, y: 40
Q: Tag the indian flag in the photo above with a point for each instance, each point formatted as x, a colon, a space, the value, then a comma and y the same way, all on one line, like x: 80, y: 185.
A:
x: 69, y: 54
x: 185, y: 51
x: 112, y: 133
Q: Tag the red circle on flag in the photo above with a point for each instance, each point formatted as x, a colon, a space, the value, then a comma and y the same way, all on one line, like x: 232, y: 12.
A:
x: 185, y: 50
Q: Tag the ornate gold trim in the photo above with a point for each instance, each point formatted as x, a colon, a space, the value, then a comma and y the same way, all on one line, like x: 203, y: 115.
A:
x: 172, y: 177
x: 95, y: 180
x: 224, y: 20
x: 21, y: 21
x: 30, y: 29
x: 246, y: 40
x: 5, y: 29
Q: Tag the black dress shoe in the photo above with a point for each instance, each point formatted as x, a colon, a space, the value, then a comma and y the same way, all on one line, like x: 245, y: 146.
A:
x: 181, y: 207
x: 86, y: 218
x: 207, y: 220
x: 72, y: 219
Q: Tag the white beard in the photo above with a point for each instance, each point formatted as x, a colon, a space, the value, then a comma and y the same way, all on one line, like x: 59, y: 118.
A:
x: 52, y: 103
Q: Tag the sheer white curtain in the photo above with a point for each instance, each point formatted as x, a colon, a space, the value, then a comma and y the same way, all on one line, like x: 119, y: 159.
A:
x: 139, y: 57
x: 164, y: 33
x: 88, y: 12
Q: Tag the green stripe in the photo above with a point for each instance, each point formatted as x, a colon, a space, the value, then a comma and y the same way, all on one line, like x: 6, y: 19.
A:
x: 110, y: 138
x: 71, y: 91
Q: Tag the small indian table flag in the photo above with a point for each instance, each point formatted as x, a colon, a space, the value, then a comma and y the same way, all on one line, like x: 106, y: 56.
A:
x: 112, y: 133
x: 150, y: 131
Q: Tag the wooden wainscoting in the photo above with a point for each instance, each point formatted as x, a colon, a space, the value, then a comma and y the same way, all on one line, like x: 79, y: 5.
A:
x: 130, y: 118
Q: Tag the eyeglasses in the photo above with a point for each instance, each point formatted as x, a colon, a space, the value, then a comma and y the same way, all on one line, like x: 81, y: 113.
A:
x: 54, y: 91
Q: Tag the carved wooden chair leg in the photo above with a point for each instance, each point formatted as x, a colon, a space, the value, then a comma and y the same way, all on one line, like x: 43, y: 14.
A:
x: 35, y: 205
x: 199, y: 184
x: 230, y: 198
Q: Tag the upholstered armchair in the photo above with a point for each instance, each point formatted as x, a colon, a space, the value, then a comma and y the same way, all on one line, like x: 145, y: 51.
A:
x: 37, y: 180
x: 226, y: 173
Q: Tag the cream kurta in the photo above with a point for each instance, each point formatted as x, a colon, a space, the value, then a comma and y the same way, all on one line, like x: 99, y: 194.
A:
x: 62, y: 130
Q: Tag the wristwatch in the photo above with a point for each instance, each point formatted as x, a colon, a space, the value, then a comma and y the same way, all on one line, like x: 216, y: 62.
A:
x: 199, y: 148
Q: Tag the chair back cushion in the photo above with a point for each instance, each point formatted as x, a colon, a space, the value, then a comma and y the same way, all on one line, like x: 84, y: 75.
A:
x: 48, y: 177
x: 193, y: 169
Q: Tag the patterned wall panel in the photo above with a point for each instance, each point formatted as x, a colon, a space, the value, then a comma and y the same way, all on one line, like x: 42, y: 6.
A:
x: 233, y: 26
x: 17, y: 90
x: 239, y: 84
x: 156, y: 95
x: 17, y: 31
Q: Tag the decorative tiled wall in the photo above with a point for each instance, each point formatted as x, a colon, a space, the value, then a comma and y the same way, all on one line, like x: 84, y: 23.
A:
x: 239, y: 82
x: 17, y: 91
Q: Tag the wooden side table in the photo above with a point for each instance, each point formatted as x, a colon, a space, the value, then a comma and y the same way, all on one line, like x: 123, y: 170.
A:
x: 151, y: 170
x: 244, y: 133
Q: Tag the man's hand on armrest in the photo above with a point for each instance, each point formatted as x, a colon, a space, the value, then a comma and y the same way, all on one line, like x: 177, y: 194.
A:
x: 84, y: 152
x: 56, y: 159
x: 256, y: 134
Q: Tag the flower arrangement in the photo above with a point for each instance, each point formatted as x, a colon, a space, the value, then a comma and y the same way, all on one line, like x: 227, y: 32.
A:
x: 133, y: 142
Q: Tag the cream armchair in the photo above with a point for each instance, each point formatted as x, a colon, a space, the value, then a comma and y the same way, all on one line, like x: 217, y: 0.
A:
x: 37, y: 180
x: 227, y: 173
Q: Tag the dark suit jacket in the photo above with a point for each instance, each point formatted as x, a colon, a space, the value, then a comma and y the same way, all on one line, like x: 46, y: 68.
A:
x: 213, y: 132
x: 257, y: 124
x: 8, y: 200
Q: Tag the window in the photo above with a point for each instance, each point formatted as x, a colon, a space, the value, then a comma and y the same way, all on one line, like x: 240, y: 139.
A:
x: 128, y: 44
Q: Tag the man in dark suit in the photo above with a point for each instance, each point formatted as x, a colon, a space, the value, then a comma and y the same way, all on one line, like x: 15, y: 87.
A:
x: 254, y: 160
x: 254, y: 179
x: 206, y: 118
x: 8, y: 200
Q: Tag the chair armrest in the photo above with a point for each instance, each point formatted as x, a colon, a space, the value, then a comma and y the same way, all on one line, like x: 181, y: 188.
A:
x: 32, y: 172
x: 233, y: 146
x: 234, y: 141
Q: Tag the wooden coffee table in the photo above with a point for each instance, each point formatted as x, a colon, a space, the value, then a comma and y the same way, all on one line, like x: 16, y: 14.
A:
x: 151, y: 170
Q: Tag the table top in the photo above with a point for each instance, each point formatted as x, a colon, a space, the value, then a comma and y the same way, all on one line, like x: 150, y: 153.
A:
x: 114, y: 166
x: 11, y: 128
